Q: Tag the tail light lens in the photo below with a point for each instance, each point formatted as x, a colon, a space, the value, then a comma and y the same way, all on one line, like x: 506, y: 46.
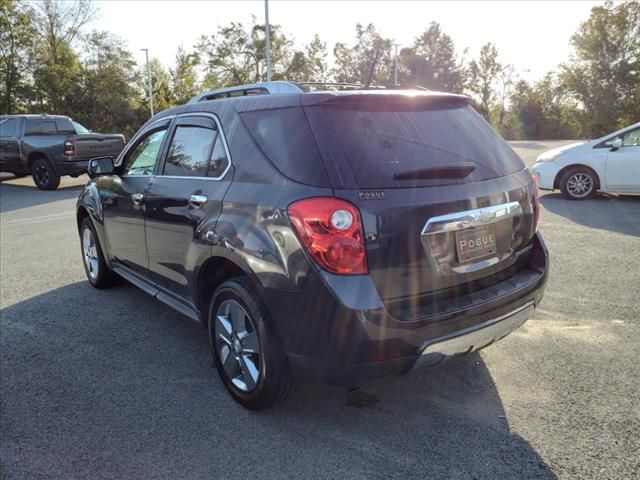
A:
x: 536, y: 203
x: 331, y: 231
x: 69, y: 148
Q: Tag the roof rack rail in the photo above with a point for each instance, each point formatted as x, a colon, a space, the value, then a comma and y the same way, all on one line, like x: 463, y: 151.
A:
x: 281, y: 86
x: 264, y: 88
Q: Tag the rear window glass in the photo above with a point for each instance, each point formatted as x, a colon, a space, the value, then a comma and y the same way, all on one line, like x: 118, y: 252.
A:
x: 64, y: 125
x: 285, y: 138
x: 8, y: 127
x: 388, y: 149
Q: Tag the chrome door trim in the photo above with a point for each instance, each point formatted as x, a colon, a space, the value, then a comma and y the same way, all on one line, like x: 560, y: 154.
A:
x: 471, y: 218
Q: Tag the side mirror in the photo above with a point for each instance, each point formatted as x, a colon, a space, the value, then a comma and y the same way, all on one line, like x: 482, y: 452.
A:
x: 100, y: 166
x: 616, y: 144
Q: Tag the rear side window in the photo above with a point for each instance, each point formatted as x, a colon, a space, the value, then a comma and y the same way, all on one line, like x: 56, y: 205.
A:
x: 8, y: 127
x: 285, y: 138
x: 396, y: 148
x: 36, y: 126
x: 196, y: 152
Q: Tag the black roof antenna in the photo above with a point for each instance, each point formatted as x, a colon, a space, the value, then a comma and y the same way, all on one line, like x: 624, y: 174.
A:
x: 372, y: 69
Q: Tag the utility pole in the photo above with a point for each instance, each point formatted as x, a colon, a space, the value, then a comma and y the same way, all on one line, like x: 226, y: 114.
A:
x: 395, y: 66
x: 267, y: 38
x: 146, y: 52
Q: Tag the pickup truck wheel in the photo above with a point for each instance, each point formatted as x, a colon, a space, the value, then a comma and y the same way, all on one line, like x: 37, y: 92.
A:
x: 246, y: 348
x: 578, y: 184
x: 44, y: 174
x: 95, y: 267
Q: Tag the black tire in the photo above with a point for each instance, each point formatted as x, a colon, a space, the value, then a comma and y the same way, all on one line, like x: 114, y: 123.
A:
x: 44, y: 174
x: 578, y: 184
x: 99, y: 276
x: 275, y: 381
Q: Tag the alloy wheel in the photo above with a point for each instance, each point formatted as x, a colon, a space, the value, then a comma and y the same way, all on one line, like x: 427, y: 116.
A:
x: 90, y: 254
x: 237, y: 345
x: 42, y: 174
x: 579, y: 185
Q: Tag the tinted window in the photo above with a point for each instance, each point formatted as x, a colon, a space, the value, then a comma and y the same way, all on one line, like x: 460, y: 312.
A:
x: 8, y: 127
x: 190, y: 152
x: 36, y: 126
x: 142, y: 159
x: 285, y: 138
x: 80, y: 129
x: 384, y: 147
x: 631, y: 139
x: 64, y: 125
x: 219, y: 160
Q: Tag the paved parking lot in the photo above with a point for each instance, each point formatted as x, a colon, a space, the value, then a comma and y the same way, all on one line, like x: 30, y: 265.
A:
x: 112, y: 384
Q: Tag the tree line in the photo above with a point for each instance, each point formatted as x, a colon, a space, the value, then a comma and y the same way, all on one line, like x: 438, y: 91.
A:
x: 49, y: 62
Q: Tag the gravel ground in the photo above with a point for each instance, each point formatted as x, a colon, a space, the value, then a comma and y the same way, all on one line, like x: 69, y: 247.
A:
x: 112, y: 384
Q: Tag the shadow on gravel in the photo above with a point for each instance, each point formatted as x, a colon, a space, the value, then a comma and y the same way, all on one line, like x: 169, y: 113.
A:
x: 606, y: 212
x: 112, y: 384
x: 15, y: 197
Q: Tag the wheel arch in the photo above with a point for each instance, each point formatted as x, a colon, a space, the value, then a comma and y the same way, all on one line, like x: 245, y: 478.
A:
x: 563, y: 170
x: 33, y: 156
x: 212, y: 273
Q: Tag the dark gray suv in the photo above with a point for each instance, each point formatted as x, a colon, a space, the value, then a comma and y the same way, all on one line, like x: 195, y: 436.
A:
x: 321, y: 236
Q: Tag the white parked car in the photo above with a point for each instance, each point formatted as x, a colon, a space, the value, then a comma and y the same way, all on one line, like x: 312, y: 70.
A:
x: 609, y: 164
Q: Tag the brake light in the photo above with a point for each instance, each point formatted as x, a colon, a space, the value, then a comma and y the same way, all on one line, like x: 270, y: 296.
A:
x: 331, y: 231
x: 536, y: 203
x: 69, y: 148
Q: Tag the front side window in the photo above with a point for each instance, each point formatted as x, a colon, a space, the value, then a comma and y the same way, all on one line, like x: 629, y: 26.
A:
x: 142, y: 159
x: 190, y: 152
x: 8, y: 127
x: 631, y: 139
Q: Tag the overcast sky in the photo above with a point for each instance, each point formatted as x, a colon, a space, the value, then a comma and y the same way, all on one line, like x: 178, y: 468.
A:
x: 532, y: 36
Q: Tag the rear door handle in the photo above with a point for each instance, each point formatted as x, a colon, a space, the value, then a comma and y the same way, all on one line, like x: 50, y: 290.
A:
x: 136, y: 198
x: 198, y: 200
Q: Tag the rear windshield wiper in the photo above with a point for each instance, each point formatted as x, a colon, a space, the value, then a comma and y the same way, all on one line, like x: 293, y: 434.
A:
x: 458, y: 170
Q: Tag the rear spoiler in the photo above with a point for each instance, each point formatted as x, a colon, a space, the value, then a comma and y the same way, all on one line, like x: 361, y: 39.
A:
x: 387, y: 100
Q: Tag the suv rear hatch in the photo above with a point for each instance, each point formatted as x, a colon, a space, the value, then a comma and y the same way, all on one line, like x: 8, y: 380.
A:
x: 445, y: 201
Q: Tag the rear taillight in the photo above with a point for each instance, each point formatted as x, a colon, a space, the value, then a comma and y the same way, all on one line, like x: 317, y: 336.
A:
x: 69, y: 148
x: 331, y: 231
x: 536, y: 203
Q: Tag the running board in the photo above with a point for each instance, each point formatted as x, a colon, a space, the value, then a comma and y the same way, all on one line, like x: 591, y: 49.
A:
x: 155, y: 292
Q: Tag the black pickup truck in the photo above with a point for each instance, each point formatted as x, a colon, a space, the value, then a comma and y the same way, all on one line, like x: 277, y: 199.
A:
x: 49, y: 146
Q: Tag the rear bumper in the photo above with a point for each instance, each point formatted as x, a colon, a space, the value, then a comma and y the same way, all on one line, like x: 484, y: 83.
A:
x: 340, y: 334
x: 72, y: 167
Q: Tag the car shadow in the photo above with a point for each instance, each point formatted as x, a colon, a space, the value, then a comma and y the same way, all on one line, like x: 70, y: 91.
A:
x: 14, y: 196
x: 606, y: 212
x: 113, y: 384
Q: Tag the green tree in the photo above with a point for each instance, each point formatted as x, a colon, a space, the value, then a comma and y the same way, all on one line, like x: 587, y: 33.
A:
x: 482, y: 75
x: 161, y: 88
x: 309, y: 65
x: 109, y: 91
x: 353, y: 64
x: 59, y: 74
x: 16, y: 43
x: 235, y: 55
x: 604, y: 72
x: 431, y: 62
x: 545, y: 110
x: 184, y: 76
